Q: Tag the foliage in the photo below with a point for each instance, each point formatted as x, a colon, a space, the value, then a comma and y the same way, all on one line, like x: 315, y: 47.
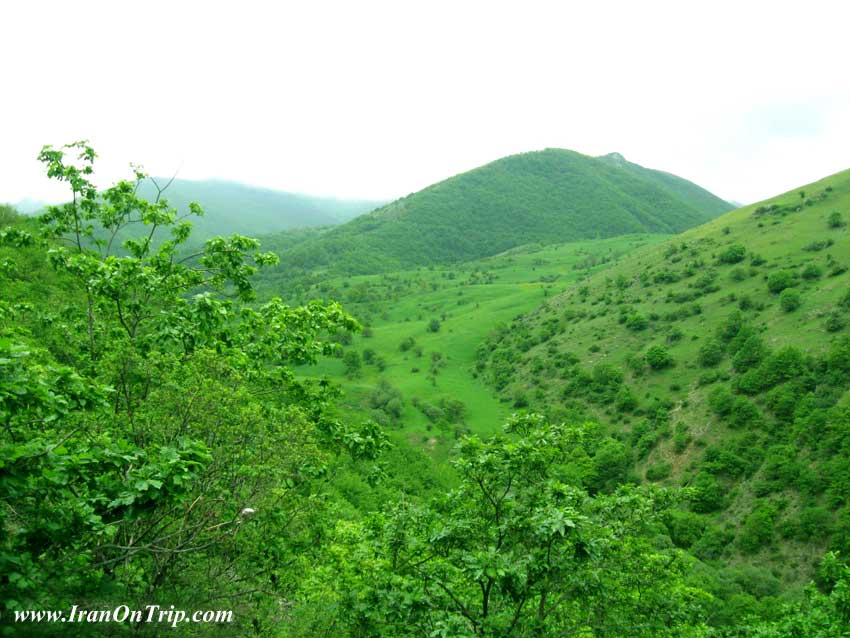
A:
x: 514, y: 550
x: 173, y: 435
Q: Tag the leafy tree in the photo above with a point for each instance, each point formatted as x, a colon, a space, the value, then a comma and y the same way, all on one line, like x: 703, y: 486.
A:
x: 434, y: 325
x: 173, y: 440
x: 513, y: 551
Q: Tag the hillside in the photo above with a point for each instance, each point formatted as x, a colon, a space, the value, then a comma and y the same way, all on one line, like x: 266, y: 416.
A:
x: 423, y: 327
x: 547, y: 196
x: 719, y: 360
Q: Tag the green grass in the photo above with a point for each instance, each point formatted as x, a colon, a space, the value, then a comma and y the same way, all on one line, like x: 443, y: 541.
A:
x: 401, y: 305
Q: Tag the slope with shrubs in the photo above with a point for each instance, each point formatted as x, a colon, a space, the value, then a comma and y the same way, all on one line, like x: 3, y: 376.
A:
x: 718, y: 360
x: 549, y: 196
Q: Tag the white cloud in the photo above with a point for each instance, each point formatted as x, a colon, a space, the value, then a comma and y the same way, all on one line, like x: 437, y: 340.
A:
x: 373, y: 99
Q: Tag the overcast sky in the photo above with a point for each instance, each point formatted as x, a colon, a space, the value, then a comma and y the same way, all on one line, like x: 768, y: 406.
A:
x: 377, y: 100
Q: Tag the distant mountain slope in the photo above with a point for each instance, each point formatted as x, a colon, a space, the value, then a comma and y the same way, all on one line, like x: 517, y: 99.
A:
x: 553, y: 195
x: 720, y: 360
x: 231, y: 207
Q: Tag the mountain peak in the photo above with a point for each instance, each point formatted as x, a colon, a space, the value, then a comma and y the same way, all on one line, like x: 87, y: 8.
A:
x: 614, y: 157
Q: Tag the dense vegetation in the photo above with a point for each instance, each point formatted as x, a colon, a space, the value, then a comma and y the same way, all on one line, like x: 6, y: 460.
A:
x: 547, y: 196
x: 718, y: 361
x: 676, y: 467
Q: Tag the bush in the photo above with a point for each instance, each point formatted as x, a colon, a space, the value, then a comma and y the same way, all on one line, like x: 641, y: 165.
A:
x: 658, y: 358
x: 835, y: 322
x: 686, y: 528
x: 750, y: 354
x: 406, y: 344
x: 780, y: 280
x: 658, y: 471
x: 434, y: 325
x: 710, y: 353
x: 835, y: 220
x: 757, y: 531
x: 790, y: 300
x: 637, y: 322
x: 351, y: 361
x: 812, y: 272
x: 743, y: 413
x: 708, y: 494
x: 721, y: 400
x: 626, y: 401
x: 733, y: 254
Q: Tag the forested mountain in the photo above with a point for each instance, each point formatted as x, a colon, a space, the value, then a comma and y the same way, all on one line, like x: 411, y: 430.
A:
x: 718, y: 360
x: 548, y: 196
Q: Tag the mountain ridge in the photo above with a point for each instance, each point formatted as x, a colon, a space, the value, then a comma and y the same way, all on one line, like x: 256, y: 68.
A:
x: 553, y: 195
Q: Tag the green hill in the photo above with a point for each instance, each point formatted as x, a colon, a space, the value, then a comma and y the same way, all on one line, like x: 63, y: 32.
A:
x: 548, y: 196
x: 719, y: 360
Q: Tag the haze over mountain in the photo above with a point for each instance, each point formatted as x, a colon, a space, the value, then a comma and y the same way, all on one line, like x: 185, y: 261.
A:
x: 231, y: 207
x: 548, y: 196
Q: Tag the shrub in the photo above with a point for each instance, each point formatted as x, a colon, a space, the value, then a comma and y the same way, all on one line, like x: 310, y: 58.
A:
x: 750, y: 354
x: 713, y: 543
x: 835, y: 220
x: 743, y: 413
x: 434, y: 325
x: 708, y: 494
x: 351, y: 361
x: 406, y: 344
x: 780, y: 280
x: 812, y: 272
x: 733, y: 254
x: 835, y: 322
x: 710, y: 353
x: 790, y: 300
x: 658, y: 471
x: 757, y: 531
x: 721, y: 400
x: 637, y: 322
x: 626, y: 401
x: 659, y: 358
x: 686, y: 528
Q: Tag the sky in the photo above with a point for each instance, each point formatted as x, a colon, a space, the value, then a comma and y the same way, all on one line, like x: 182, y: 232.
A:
x: 380, y: 99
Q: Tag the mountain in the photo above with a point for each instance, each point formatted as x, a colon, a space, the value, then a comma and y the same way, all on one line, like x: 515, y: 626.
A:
x: 718, y: 360
x: 549, y: 196
x: 231, y: 207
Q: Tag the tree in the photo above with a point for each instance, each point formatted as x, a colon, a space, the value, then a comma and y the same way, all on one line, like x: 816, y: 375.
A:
x: 434, y: 325
x: 516, y: 550
x: 174, y: 437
